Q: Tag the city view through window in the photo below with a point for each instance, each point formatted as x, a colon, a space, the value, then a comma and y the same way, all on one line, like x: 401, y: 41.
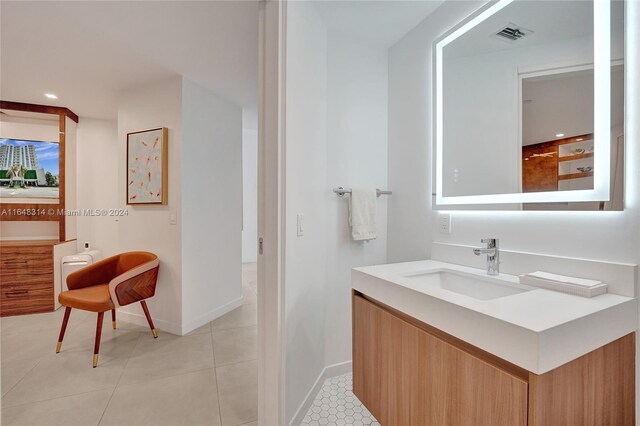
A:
x: 29, y: 169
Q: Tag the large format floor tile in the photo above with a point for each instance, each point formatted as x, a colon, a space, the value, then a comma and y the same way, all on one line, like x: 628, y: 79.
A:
x: 244, y: 316
x: 32, y: 345
x: 117, y: 343
x: 238, y: 390
x: 171, y: 380
x: 182, y: 355
x: 65, y: 374
x: 39, y: 322
x: 13, y: 371
x: 187, y: 399
x: 201, y: 330
x: 250, y: 296
x: 250, y: 275
x: 170, y: 342
x: 239, y: 344
x: 83, y: 409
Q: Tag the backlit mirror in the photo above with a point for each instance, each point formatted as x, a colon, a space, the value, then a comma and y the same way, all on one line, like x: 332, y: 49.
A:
x: 529, y: 107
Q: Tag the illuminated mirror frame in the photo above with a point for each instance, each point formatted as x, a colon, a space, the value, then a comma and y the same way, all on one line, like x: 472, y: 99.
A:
x: 602, y: 116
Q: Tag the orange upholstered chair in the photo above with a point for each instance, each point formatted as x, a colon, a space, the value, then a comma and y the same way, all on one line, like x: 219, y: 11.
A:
x: 106, y: 285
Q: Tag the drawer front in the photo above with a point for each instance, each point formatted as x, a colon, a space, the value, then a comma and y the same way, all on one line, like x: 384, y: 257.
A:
x: 25, y: 278
x: 26, y: 265
x: 28, y: 258
x: 26, y: 299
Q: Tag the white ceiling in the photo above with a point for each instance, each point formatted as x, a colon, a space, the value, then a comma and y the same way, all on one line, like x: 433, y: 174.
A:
x: 550, y: 21
x: 382, y: 23
x: 87, y: 52
x: 563, y: 103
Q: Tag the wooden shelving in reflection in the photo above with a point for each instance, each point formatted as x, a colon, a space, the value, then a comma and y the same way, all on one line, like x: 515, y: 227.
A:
x: 546, y: 164
x: 575, y: 156
x: 575, y: 175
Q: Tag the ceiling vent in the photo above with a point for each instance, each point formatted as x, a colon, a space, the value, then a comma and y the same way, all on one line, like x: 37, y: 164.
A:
x: 512, y: 33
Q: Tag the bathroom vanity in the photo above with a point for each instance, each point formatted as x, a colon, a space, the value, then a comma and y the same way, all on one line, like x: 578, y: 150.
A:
x: 436, y: 343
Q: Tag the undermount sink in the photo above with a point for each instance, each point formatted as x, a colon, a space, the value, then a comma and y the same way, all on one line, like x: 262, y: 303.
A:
x: 487, y: 311
x: 477, y: 287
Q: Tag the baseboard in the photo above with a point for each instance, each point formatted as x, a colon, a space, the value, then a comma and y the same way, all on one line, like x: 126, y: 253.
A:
x: 141, y: 320
x: 326, y: 373
x: 338, y: 369
x: 181, y: 329
x: 211, y: 315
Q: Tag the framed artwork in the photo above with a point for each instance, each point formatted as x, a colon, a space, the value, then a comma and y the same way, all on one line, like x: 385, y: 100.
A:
x: 147, y: 161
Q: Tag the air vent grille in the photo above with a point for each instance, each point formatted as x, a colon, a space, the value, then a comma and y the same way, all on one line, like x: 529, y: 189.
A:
x: 510, y: 33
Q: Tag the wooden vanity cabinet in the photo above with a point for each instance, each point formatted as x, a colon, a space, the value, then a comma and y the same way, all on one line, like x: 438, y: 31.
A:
x: 409, y: 373
x: 26, y: 277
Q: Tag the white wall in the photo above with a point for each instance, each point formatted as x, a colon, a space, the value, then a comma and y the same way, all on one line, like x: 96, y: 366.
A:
x: 31, y: 230
x: 609, y: 236
x: 356, y: 157
x: 482, y: 91
x: 147, y: 227
x: 306, y: 193
x: 410, y: 93
x: 211, y: 206
x: 249, y: 188
x: 46, y: 129
x: 200, y: 273
x: 98, y: 167
x: 336, y: 135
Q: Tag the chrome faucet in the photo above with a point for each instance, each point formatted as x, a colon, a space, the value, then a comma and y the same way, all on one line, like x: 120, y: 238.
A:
x: 493, y: 255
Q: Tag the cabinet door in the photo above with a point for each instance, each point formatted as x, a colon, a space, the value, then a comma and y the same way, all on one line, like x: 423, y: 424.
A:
x: 405, y: 376
x: 597, y: 389
x: 382, y: 363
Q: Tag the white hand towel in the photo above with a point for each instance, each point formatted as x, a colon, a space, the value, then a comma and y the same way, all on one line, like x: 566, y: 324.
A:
x: 362, y: 214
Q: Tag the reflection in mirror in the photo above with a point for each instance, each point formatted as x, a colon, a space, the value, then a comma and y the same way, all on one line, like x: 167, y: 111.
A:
x: 559, y: 102
x: 518, y: 110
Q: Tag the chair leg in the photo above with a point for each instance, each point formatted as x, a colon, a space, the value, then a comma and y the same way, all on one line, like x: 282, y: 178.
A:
x: 96, y: 348
x: 65, y: 320
x: 149, y: 320
x: 113, y: 318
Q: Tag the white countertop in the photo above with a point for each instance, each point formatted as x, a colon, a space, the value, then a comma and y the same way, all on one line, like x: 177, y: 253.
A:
x: 538, y: 330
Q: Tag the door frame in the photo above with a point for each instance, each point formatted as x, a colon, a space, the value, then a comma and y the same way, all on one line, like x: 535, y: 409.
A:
x: 271, y: 218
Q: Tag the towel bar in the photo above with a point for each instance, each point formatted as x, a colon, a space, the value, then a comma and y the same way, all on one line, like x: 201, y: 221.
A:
x: 341, y: 191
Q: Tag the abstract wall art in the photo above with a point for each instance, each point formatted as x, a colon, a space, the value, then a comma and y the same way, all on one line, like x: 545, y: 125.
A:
x: 147, y: 166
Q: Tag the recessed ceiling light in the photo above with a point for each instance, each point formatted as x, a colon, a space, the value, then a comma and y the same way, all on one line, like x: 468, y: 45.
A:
x: 51, y: 96
x: 559, y: 135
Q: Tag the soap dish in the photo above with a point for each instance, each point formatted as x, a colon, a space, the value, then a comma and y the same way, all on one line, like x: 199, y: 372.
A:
x: 565, y: 287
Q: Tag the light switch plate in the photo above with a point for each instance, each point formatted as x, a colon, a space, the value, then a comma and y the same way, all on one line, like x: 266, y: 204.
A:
x: 444, y: 223
x: 173, y: 218
x: 300, y: 230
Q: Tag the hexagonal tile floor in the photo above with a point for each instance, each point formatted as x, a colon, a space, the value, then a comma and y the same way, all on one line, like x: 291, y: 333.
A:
x: 336, y: 404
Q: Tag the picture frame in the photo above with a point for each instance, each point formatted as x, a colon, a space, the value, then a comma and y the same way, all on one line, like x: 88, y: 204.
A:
x: 147, y: 167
